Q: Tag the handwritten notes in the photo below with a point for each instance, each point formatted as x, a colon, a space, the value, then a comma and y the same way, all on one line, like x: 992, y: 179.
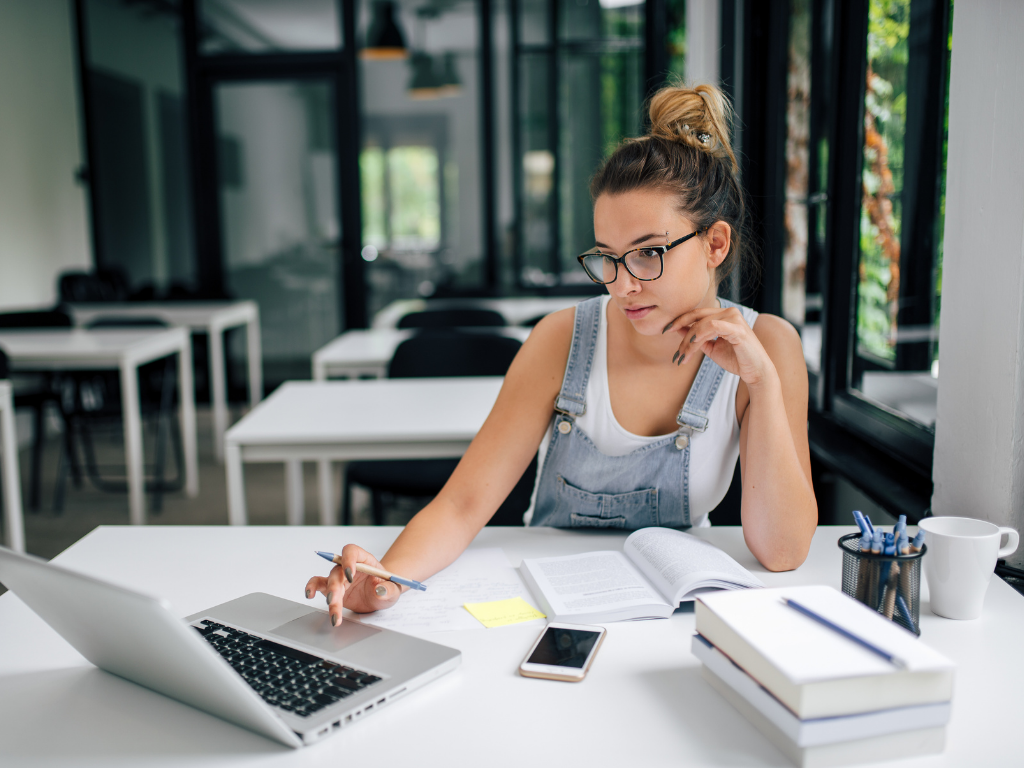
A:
x: 500, y: 613
x: 478, y: 576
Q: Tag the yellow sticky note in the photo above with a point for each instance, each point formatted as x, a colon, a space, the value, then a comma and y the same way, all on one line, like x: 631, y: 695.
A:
x: 503, y: 612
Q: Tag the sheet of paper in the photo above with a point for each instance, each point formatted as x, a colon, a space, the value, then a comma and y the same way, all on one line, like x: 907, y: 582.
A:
x: 501, y: 613
x: 478, y: 576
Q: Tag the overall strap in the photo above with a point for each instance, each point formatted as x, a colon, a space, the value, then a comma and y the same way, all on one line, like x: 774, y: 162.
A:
x: 571, y: 400
x: 693, y: 417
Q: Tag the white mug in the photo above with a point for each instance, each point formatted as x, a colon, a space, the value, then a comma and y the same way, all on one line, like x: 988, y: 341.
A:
x: 961, y: 557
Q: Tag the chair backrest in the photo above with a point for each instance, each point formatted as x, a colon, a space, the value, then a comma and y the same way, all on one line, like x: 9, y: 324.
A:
x: 127, y: 321
x: 453, y: 354
x: 458, y: 317
x: 46, y: 318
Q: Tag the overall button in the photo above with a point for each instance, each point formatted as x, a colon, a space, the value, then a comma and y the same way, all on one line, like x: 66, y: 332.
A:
x: 564, y: 427
x: 682, y: 441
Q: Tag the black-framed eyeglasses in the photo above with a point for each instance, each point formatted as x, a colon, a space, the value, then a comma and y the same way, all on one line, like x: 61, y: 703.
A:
x: 645, y: 263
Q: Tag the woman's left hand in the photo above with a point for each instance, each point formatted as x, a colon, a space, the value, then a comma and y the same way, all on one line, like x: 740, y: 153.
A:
x: 723, y: 335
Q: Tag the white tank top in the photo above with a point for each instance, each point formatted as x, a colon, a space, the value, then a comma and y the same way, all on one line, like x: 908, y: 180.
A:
x: 713, y: 453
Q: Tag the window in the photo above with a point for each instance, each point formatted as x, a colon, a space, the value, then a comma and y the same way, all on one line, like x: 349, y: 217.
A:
x: 593, y: 53
x: 867, y: 90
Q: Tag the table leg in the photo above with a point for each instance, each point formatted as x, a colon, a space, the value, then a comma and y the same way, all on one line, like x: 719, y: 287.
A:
x: 236, y: 484
x: 14, y: 526
x: 328, y: 514
x: 218, y: 389
x: 294, y: 492
x: 187, y: 399
x: 132, y: 416
x: 252, y: 338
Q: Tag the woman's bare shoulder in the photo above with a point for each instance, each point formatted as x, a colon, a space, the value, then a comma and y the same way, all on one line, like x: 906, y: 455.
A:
x: 546, y: 349
x: 779, y: 338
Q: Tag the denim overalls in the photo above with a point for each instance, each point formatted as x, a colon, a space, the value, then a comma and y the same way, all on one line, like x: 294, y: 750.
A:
x: 580, y: 487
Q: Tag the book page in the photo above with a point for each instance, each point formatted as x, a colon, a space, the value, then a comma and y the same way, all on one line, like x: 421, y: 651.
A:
x: 591, y: 582
x: 678, y: 563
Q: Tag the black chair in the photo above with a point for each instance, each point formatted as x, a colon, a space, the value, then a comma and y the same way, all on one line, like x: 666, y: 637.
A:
x: 456, y: 317
x: 91, y: 403
x: 36, y: 391
x: 430, y: 355
x: 92, y: 287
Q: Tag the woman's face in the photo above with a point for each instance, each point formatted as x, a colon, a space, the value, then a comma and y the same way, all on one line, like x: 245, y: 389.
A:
x: 631, y: 220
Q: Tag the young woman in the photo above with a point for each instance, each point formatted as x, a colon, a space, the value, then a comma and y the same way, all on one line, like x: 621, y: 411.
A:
x: 640, y: 400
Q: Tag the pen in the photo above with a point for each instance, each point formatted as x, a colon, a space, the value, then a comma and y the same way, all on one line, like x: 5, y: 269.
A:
x: 918, y: 542
x: 858, y: 518
x: 380, y: 573
x: 896, y: 661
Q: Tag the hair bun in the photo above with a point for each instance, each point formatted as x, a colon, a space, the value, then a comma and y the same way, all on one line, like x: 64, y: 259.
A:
x: 700, y: 117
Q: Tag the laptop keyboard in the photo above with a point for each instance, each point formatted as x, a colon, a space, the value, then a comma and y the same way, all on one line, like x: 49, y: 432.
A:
x: 285, y: 677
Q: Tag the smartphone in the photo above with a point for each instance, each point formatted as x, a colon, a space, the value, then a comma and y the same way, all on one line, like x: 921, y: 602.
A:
x: 563, y: 652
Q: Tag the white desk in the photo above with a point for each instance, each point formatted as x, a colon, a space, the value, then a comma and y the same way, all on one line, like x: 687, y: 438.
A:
x: 124, y: 351
x: 366, y: 353
x: 644, y: 702
x: 14, y: 525
x: 516, y: 310
x: 348, y: 420
x: 211, y: 318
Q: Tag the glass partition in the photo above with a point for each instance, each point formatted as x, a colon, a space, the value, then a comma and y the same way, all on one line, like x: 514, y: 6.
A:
x: 263, y: 26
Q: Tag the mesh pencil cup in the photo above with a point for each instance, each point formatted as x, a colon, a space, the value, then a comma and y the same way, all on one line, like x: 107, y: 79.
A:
x: 889, y: 584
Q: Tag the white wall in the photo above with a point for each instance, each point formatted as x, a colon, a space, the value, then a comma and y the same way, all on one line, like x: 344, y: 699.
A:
x: 979, y: 439
x: 43, y: 228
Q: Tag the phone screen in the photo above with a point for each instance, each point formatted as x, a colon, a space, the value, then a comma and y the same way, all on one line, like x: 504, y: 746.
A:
x: 561, y: 647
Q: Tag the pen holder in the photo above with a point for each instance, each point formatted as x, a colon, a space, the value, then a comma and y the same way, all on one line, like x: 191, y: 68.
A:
x: 889, y: 584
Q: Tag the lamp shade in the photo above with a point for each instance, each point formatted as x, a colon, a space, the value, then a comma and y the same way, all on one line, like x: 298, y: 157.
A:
x: 449, y: 76
x: 424, y: 83
x: 384, y: 39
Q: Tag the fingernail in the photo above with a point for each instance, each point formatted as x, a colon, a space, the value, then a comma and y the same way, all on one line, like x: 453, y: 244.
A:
x: 348, y: 574
x: 381, y: 590
x: 693, y: 338
x: 676, y: 355
x: 334, y: 619
x: 309, y: 593
x: 681, y: 360
x: 329, y: 596
x: 667, y: 327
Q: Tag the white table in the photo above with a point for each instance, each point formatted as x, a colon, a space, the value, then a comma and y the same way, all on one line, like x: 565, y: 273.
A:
x: 516, y: 310
x: 644, y: 702
x: 348, y: 420
x: 124, y: 351
x: 366, y: 353
x: 14, y: 525
x: 212, y: 318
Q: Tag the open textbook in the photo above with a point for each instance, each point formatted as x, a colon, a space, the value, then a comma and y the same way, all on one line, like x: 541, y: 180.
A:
x: 657, y: 569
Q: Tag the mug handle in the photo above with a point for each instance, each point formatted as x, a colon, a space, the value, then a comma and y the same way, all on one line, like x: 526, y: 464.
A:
x: 1011, y: 545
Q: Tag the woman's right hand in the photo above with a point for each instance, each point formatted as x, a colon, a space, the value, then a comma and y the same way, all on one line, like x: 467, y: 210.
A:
x: 345, y: 586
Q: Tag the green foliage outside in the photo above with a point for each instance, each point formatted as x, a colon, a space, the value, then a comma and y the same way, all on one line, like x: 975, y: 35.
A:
x: 881, y: 214
x: 408, y: 205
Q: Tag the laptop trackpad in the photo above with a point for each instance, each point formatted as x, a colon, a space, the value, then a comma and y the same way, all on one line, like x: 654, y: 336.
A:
x: 314, y: 629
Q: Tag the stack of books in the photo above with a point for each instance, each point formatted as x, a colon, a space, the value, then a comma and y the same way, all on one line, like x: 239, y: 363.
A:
x: 845, y: 687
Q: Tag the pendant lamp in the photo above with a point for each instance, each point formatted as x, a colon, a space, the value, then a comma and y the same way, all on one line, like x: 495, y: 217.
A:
x: 424, y: 83
x: 449, y: 77
x: 384, y: 39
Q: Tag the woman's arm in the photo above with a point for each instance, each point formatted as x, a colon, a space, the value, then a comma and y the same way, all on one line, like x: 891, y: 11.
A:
x: 778, y: 509
x: 491, y: 467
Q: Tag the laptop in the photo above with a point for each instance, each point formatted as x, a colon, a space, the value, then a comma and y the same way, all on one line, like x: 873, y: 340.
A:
x: 261, y: 662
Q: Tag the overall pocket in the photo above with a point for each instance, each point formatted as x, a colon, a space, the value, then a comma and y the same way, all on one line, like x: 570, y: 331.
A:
x: 636, y: 509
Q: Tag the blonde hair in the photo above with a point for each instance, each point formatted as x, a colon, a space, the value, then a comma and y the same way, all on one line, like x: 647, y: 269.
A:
x: 688, y: 151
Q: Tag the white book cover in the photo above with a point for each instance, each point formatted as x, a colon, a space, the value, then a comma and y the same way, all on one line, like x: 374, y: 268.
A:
x: 823, y: 730
x: 814, y: 670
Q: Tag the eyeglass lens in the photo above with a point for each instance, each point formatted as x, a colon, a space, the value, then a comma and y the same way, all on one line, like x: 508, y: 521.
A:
x: 643, y: 264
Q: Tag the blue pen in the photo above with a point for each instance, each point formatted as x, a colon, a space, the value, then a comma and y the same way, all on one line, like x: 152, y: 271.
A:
x: 901, y: 605
x: 896, y: 661
x: 888, y: 548
x: 918, y: 542
x: 858, y: 518
x: 867, y: 522
x: 901, y: 525
x: 380, y: 573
